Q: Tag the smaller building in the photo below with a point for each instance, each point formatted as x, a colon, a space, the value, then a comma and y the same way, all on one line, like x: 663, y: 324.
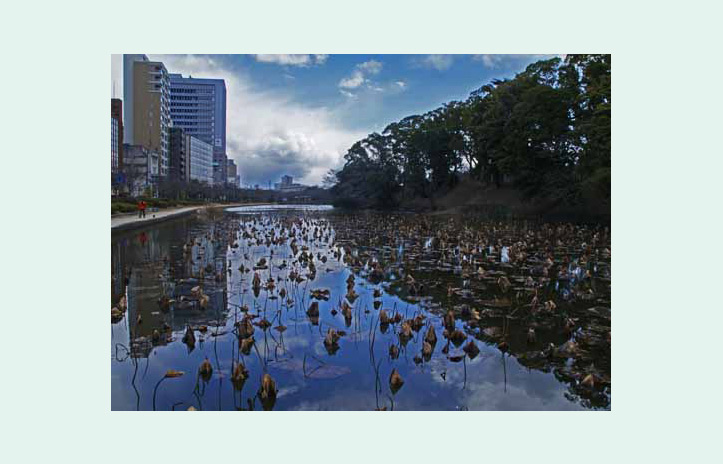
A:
x: 287, y: 185
x: 220, y: 163
x: 201, y: 161
x: 180, y: 154
x: 232, y: 174
x: 141, y: 167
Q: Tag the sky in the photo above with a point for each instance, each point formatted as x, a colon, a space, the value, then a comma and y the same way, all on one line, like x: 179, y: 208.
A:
x: 299, y: 114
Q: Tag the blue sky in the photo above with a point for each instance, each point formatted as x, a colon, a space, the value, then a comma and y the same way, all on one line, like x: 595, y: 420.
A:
x: 298, y: 114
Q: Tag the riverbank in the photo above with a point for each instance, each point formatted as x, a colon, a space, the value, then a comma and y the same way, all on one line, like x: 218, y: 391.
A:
x: 132, y: 221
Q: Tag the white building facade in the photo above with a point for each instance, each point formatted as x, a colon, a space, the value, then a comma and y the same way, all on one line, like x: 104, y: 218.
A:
x: 201, y: 161
x: 198, y: 106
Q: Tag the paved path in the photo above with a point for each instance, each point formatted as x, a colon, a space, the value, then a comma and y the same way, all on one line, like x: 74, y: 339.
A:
x: 131, y: 220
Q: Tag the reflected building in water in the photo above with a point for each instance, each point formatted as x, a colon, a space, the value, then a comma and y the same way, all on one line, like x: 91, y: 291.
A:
x: 152, y: 263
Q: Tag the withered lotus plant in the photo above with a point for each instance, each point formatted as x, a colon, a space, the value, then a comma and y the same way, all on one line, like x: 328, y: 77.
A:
x: 267, y: 392
x: 471, y: 349
x: 245, y: 327
x: 394, y: 351
x: 189, y: 338
x: 205, y: 370
x: 427, y: 351
x: 115, y: 315
x: 239, y: 375
x: 246, y: 345
x: 332, y: 338
x: 395, y: 381
x: 589, y: 381
x: 383, y: 317
x: 313, y: 310
x: 457, y: 337
x: 431, y: 336
x: 417, y: 323
x: 449, y: 320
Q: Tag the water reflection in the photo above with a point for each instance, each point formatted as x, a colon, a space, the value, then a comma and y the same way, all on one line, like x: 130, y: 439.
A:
x: 304, y: 309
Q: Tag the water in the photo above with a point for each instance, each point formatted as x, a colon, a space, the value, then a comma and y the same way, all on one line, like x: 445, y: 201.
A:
x: 420, y: 266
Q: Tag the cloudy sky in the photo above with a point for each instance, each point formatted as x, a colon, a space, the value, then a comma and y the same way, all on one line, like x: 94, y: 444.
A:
x: 298, y: 114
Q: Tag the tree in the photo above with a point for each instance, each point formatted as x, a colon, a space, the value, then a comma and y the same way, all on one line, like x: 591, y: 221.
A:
x: 329, y: 179
x: 546, y: 132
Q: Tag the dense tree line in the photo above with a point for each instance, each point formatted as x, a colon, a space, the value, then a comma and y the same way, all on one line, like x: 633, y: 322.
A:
x: 546, y: 133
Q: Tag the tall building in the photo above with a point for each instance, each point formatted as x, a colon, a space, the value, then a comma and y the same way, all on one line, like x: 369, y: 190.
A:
x: 180, y: 153
x: 114, y: 150
x: 199, y: 107
x: 128, y: 61
x: 147, y: 119
x: 116, y: 139
x: 201, y: 161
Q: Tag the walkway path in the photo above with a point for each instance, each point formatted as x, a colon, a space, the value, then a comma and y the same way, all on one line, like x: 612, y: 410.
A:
x: 131, y: 220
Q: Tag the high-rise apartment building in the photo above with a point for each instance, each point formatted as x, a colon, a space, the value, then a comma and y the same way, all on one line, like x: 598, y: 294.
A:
x: 128, y: 61
x: 147, y: 119
x: 199, y: 107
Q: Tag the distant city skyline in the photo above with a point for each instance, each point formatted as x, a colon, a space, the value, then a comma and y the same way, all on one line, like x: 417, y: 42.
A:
x: 298, y: 114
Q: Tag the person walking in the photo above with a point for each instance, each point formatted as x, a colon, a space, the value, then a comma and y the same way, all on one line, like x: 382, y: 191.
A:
x: 142, y: 209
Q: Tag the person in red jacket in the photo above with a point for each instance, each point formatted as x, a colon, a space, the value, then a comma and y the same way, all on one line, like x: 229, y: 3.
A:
x: 142, y: 209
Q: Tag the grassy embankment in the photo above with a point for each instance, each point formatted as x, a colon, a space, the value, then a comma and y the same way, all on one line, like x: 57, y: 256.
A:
x: 129, y: 205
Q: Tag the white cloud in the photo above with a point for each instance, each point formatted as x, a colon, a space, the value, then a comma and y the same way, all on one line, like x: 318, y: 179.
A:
x: 292, y: 60
x: 358, y: 77
x: 504, y: 61
x: 370, y: 67
x: 438, y: 62
x: 270, y: 134
x: 347, y: 94
x: 401, y: 84
x: 490, y: 61
x: 352, y: 82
